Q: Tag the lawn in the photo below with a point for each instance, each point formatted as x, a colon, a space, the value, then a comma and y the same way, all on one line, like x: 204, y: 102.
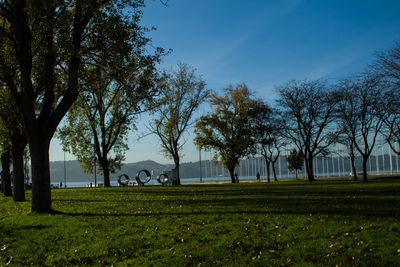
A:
x: 325, y: 223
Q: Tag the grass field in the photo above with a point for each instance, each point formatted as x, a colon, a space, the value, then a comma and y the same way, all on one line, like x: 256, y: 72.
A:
x: 295, y: 223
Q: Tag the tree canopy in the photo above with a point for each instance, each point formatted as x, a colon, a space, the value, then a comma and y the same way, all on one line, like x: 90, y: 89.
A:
x: 227, y: 128
x: 45, y: 49
x: 309, y: 108
x: 182, y: 93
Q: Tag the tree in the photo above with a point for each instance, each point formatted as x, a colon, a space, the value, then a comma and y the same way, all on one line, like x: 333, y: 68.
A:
x: 308, y: 107
x: 5, y: 155
x: 295, y: 161
x: 5, y: 172
x: 101, y: 118
x: 227, y: 129
x: 267, y: 129
x: 182, y: 93
x: 387, y: 68
x: 14, y: 134
x: 46, y: 47
x: 348, y: 142
x: 360, y: 114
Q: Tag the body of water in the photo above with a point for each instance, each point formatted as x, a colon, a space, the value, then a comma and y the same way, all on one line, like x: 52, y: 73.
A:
x: 153, y: 180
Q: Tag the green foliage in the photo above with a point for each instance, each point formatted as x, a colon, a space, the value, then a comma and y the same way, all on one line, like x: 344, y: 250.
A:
x: 227, y: 129
x: 48, y: 51
x: 117, y: 85
x: 295, y: 160
x: 257, y: 224
x: 10, y: 119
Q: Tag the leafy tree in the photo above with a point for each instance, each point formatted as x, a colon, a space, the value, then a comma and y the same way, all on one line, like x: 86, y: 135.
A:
x: 182, y: 93
x: 227, y: 129
x: 101, y: 118
x: 46, y: 47
x: 308, y: 107
x: 295, y: 161
x: 360, y: 110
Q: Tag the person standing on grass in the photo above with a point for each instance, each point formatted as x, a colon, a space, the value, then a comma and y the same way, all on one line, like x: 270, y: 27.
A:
x: 258, y: 176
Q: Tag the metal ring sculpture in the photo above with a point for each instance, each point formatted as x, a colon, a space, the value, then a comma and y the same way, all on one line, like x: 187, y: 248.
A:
x: 148, y: 177
x: 123, y: 180
x: 162, y: 178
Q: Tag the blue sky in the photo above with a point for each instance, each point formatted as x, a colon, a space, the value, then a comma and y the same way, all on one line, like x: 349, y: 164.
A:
x: 263, y: 44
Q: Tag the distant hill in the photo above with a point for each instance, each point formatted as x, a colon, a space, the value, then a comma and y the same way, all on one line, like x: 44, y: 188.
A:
x: 75, y: 173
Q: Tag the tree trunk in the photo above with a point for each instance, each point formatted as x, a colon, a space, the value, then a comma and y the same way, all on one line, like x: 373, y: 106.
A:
x: 268, y: 173
x: 309, y: 169
x: 41, y: 193
x: 296, y: 174
x: 353, y: 167
x: 364, y: 165
x: 352, y: 161
x: 178, y: 177
x: 105, y: 166
x: 232, y: 174
x: 18, y: 146
x: 5, y: 173
x: 274, y: 171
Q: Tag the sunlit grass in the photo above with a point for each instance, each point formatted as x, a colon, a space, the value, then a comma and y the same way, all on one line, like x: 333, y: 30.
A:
x: 258, y: 224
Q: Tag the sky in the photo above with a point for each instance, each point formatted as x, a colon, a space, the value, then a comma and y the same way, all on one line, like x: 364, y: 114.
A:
x: 263, y: 43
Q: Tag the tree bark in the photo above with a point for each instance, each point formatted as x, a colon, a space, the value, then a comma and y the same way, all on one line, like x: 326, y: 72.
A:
x: 41, y: 192
x: 18, y: 141
x: 364, y: 165
x: 232, y: 174
x: 274, y: 171
x: 353, y: 167
x: 309, y: 169
x: 268, y: 173
x: 105, y: 165
x: 352, y: 162
x: 5, y: 173
x: 177, y: 165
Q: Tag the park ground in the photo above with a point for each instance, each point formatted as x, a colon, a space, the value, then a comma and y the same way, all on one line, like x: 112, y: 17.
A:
x: 292, y: 223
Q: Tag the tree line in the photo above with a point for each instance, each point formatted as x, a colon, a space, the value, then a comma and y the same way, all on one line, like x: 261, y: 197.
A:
x: 309, y: 116
x: 91, y: 63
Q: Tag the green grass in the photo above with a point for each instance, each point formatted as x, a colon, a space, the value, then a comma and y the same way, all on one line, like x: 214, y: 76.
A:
x: 283, y: 224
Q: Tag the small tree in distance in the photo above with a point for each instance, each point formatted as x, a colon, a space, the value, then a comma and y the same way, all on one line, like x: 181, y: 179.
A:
x: 295, y: 161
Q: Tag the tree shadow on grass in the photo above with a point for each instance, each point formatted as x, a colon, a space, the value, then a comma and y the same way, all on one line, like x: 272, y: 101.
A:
x: 296, y: 206
x: 303, y: 199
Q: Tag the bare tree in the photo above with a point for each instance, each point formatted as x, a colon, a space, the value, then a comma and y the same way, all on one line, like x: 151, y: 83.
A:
x: 387, y: 68
x: 267, y: 130
x: 308, y: 106
x: 360, y: 114
x: 182, y: 93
